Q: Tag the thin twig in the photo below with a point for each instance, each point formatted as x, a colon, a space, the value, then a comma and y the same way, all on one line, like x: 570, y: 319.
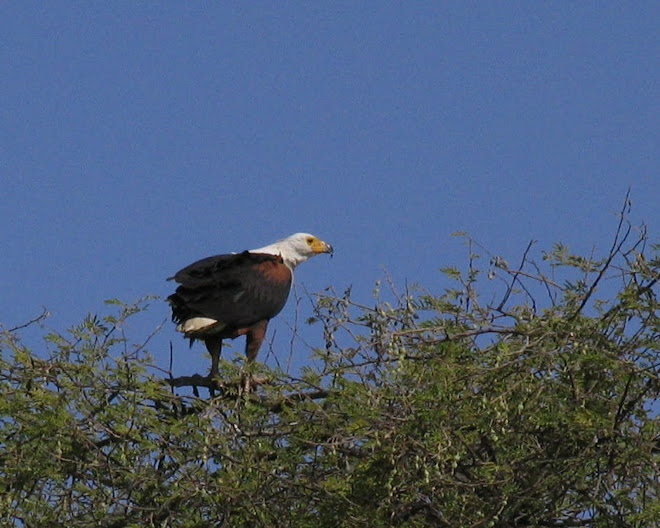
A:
x: 617, y: 244
x: 43, y: 315
x: 515, y: 278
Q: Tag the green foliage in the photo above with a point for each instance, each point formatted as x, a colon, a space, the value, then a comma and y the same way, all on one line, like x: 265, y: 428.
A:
x: 537, y: 407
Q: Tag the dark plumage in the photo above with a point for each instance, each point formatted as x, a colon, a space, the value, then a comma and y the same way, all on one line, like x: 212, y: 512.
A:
x: 235, y: 290
x: 226, y: 296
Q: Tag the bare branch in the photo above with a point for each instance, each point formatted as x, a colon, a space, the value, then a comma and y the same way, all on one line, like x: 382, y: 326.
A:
x: 617, y: 244
x: 43, y: 315
x: 515, y: 279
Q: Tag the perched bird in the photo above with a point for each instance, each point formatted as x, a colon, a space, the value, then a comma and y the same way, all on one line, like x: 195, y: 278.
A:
x: 227, y: 296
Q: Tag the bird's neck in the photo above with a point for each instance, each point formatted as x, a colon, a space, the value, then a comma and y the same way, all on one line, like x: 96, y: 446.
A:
x: 290, y: 257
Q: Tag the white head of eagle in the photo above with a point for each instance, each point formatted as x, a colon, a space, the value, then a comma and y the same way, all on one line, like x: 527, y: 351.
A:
x: 295, y: 249
x: 234, y: 294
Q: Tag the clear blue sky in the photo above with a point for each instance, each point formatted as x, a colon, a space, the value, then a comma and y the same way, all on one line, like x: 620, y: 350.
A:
x: 136, y: 137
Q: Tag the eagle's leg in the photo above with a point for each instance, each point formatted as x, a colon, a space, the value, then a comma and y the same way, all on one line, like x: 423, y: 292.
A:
x: 253, y: 340
x: 214, y: 346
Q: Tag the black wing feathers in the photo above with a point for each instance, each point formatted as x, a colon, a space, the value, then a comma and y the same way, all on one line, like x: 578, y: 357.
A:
x: 237, y: 290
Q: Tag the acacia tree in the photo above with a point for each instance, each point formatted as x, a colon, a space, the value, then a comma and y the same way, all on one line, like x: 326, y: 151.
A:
x: 534, y: 407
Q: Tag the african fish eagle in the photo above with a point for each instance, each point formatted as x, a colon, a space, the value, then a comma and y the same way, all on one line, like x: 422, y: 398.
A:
x: 227, y: 296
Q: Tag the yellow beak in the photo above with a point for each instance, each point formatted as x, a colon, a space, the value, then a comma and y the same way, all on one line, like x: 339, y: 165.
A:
x: 318, y: 246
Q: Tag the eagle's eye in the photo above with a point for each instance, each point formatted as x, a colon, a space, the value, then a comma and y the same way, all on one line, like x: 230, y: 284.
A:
x: 310, y: 240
